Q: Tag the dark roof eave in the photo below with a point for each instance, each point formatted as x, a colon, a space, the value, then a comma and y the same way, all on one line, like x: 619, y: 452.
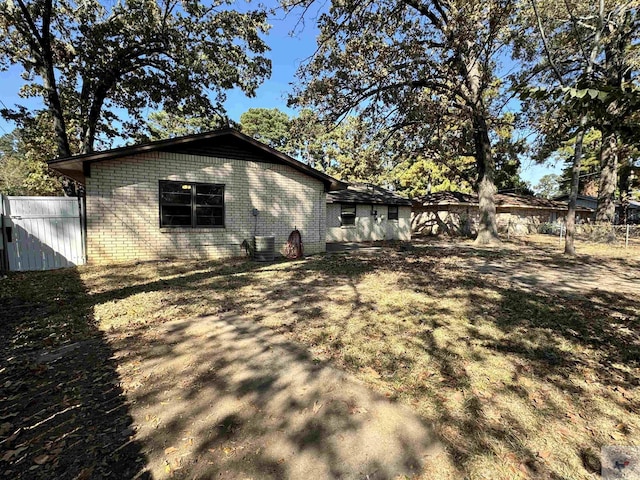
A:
x: 404, y: 203
x: 351, y: 196
x: 78, y: 161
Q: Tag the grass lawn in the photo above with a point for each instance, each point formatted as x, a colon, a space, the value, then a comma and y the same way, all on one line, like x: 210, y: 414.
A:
x: 523, y: 362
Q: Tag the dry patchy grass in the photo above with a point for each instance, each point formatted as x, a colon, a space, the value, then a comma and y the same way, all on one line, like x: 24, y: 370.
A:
x: 524, y: 361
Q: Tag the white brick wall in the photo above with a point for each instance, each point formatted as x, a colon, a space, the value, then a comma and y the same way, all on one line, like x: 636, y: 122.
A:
x: 368, y: 227
x: 123, y: 207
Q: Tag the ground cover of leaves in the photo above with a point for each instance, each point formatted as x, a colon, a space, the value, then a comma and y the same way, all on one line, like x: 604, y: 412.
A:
x: 525, y: 362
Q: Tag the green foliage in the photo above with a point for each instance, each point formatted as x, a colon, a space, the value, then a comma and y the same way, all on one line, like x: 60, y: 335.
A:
x: 507, y: 153
x: 589, y: 167
x: 421, y: 176
x: 270, y: 126
x: 162, y: 124
x: 21, y: 172
x: 548, y: 186
x: 356, y: 153
x: 311, y: 140
x: 581, y: 61
x: 92, y: 61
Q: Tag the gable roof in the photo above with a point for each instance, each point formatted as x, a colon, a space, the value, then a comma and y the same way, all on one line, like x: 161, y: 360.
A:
x: 504, y: 200
x: 368, y: 194
x: 225, y: 143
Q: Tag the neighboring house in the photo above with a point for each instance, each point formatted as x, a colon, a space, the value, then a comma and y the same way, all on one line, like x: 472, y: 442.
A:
x: 584, y: 201
x: 455, y: 213
x: 366, y: 212
x: 198, y: 196
x: 632, y: 213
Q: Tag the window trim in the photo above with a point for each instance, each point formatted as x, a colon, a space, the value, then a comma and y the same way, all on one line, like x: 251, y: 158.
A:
x: 355, y: 214
x: 397, y: 212
x: 193, y: 225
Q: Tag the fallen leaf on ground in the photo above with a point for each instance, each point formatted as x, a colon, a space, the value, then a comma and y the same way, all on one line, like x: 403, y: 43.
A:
x: 5, y: 427
x: 170, y: 450
x: 370, y: 371
x: 85, y: 474
x: 12, y: 453
x: 41, y: 459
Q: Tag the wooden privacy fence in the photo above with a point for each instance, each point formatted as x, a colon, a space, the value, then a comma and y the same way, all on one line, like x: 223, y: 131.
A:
x: 41, y: 233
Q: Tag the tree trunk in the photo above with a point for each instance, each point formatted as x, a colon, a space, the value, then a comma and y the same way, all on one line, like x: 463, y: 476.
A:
x: 624, y: 185
x: 487, y: 227
x: 54, y: 105
x: 569, y: 246
x: 608, y: 178
x: 91, y: 122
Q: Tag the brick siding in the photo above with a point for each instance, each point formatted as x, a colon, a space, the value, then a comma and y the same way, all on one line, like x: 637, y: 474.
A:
x: 123, y: 207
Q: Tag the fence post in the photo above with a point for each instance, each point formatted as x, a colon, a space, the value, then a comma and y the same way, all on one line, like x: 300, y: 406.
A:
x: 560, y: 239
x: 626, y: 238
x: 4, y: 260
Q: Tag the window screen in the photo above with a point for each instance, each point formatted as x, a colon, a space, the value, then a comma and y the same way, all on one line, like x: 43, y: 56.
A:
x: 347, y: 214
x: 191, y: 205
x: 393, y: 212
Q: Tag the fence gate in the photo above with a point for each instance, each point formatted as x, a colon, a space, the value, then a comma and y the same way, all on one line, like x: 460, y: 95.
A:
x: 42, y: 233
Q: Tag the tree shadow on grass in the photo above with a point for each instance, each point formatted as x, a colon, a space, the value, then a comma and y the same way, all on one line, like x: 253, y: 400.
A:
x: 62, y: 411
x: 226, y: 397
x: 233, y: 399
x: 599, y: 330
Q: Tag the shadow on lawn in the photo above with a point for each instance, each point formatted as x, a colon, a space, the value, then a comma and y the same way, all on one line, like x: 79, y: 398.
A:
x: 544, y: 329
x: 223, y: 396
x: 586, y: 346
x: 62, y: 410
x: 582, y: 344
x: 226, y: 397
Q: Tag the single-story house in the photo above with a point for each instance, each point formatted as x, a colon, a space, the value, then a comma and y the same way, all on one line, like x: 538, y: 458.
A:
x: 632, y: 207
x: 364, y: 212
x: 585, y: 201
x: 198, y: 196
x: 455, y: 213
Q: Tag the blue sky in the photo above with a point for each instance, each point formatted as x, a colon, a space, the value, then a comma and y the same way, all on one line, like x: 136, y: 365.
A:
x: 287, y: 53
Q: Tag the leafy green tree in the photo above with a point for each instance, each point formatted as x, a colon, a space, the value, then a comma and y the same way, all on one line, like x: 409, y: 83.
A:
x: 548, y: 186
x: 269, y: 125
x: 357, y: 154
x: 91, y: 60
x: 162, y: 124
x: 410, y: 65
x: 584, y: 81
x: 421, y: 176
x: 22, y: 171
x: 589, y: 166
x: 311, y: 140
x: 507, y: 151
x: 590, y: 64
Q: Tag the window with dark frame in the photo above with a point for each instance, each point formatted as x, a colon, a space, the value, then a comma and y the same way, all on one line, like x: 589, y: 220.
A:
x: 191, y: 205
x: 393, y: 212
x: 347, y: 215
